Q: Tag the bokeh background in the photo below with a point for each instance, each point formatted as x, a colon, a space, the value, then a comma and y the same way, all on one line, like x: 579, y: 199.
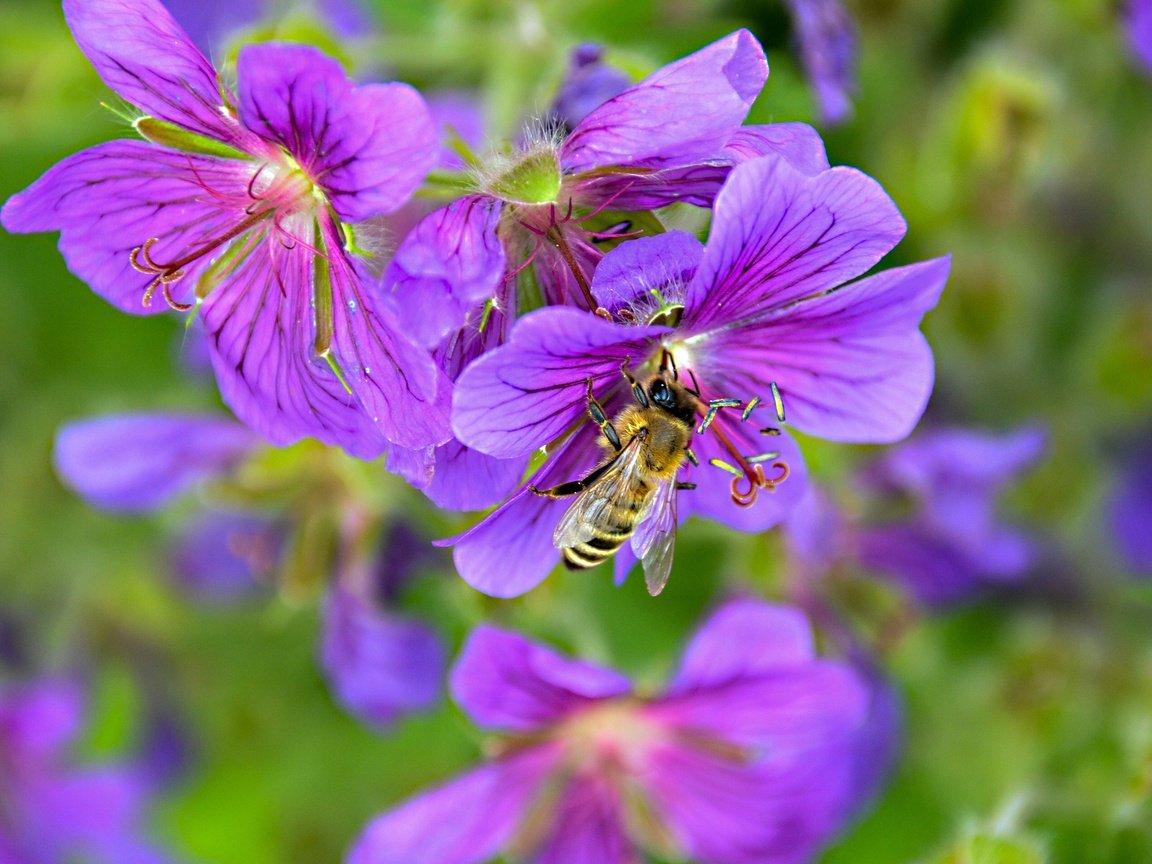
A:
x: 1014, y: 134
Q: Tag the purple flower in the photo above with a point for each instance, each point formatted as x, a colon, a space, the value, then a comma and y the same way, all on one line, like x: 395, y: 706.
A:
x: 241, y: 206
x: 1130, y: 513
x: 747, y: 757
x: 827, y: 37
x: 52, y: 811
x: 763, y: 306
x: 672, y: 137
x: 1139, y: 24
x: 588, y: 85
x: 952, y: 542
x: 220, y: 557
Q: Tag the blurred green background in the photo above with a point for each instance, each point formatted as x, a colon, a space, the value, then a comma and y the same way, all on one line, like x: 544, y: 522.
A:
x: 1015, y: 135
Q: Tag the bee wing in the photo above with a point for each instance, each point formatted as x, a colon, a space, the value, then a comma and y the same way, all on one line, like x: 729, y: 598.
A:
x: 655, y: 537
x: 594, y: 503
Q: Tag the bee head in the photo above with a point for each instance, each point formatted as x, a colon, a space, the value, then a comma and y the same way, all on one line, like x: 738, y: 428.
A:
x: 661, y: 394
x: 672, y: 398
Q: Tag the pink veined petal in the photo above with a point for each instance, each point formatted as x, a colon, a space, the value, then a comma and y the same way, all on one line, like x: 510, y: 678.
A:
x: 779, y: 235
x: 451, y: 262
x: 468, y: 820
x: 744, y: 638
x: 530, y: 390
x: 798, y: 143
x: 367, y: 147
x: 112, y: 198
x: 851, y: 364
x: 504, y: 681
x: 681, y: 113
x: 137, y: 462
x: 262, y: 327
x: 157, y: 68
x: 635, y: 272
x: 588, y: 827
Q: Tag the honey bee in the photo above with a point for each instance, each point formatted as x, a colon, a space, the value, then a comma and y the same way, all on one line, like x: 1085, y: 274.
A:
x: 632, y: 493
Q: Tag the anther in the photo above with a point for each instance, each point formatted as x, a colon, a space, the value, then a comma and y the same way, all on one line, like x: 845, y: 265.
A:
x: 770, y: 430
x: 601, y: 312
x: 753, y: 402
x: 724, y: 466
x: 692, y: 457
x: 763, y: 457
x: 777, y: 401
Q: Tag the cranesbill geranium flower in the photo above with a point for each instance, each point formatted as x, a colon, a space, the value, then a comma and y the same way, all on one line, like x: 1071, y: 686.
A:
x: 762, y: 306
x: 379, y: 662
x: 749, y: 756
x: 240, y: 206
x: 53, y: 811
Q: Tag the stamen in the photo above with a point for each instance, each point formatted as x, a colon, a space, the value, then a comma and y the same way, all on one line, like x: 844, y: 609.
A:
x: 749, y: 408
x: 692, y: 457
x: 601, y: 312
x: 777, y: 402
x: 724, y: 466
x: 714, y: 405
x: 763, y: 457
x: 770, y: 430
x: 626, y: 316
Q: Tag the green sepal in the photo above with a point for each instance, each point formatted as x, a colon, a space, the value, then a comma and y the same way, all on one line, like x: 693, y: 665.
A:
x: 170, y: 135
x: 533, y: 179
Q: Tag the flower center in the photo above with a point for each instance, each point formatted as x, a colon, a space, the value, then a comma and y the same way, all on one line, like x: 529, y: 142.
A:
x: 610, y: 737
x: 277, y: 190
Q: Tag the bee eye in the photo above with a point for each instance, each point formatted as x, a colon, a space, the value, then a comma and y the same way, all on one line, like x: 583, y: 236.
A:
x: 659, y: 391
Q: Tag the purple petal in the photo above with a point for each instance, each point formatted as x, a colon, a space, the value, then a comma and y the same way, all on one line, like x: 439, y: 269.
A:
x: 815, y: 534
x: 466, y: 479
x: 220, y: 558
x: 379, y: 665
x: 744, y: 638
x: 827, y: 37
x: 684, y: 112
x: 262, y: 326
x: 466, y: 821
x: 158, y: 69
x: 632, y: 274
x: 511, y: 550
x: 531, y: 390
x: 367, y: 147
x: 462, y: 113
x: 140, y: 462
x: 797, y: 143
x: 588, y: 827
x: 851, y: 364
x: 1131, y: 514
x: 504, y: 681
x: 698, y: 183
x: 451, y: 261
x: 110, y: 199
x: 212, y: 23
x: 779, y: 236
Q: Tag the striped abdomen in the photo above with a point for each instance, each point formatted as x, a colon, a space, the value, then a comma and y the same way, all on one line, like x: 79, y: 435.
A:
x: 617, y: 526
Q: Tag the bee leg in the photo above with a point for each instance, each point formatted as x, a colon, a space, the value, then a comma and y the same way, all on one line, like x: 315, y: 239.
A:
x: 686, y: 486
x: 637, y: 388
x: 667, y: 361
x: 572, y: 487
x: 596, y: 412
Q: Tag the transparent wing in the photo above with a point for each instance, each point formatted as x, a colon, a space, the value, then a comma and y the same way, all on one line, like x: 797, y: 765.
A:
x: 655, y: 538
x: 592, y: 506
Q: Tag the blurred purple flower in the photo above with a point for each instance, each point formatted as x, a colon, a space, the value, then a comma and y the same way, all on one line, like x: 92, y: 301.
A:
x: 1138, y: 19
x: 748, y: 757
x: 220, y: 558
x: 952, y: 543
x: 54, y: 812
x: 762, y: 305
x: 589, y: 84
x: 826, y: 35
x: 1130, y: 514
x: 211, y: 24
x: 239, y: 206
x: 138, y: 462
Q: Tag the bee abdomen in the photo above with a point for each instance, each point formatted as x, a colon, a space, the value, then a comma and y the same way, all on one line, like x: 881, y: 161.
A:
x: 600, y: 548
